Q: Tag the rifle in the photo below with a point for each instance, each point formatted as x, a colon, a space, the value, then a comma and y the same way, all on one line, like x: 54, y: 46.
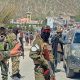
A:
x: 22, y: 49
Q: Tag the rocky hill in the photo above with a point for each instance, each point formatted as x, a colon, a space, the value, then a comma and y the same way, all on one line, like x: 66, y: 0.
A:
x: 39, y: 8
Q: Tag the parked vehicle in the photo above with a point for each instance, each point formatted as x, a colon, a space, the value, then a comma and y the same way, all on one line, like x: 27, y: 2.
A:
x: 72, y: 53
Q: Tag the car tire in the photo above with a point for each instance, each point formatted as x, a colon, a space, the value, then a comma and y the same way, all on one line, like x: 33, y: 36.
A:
x: 69, y: 72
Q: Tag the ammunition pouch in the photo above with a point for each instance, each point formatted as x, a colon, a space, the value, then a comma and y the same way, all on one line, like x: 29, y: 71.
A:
x: 4, y: 55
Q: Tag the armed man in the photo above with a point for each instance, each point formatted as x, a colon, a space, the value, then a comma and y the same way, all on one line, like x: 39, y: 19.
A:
x: 4, y: 54
x: 6, y: 46
x: 41, y: 64
x: 15, y: 53
x: 57, y: 46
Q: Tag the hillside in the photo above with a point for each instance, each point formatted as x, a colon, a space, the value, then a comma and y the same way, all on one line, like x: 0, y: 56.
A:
x: 39, y: 8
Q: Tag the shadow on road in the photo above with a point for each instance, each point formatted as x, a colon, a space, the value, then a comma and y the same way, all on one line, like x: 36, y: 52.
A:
x: 16, y: 78
x: 76, y: 77
x: 59, y: 70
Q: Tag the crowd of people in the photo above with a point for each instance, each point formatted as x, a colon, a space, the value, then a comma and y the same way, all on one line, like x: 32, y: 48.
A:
x: 45, y: 56
x: 29, y: 38
x: 11, y: 46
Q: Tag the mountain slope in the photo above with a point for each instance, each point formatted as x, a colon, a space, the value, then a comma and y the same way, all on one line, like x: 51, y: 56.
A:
x: 41, y: 8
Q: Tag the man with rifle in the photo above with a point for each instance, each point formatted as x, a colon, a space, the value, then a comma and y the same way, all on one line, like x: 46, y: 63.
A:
x: 15, y: 53
x: 41, y: 65
x: 4, y: 53
x: 6, y: 46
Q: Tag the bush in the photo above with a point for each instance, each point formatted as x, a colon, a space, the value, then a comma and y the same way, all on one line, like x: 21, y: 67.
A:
x: 10, y: 26
x: 77, y: 18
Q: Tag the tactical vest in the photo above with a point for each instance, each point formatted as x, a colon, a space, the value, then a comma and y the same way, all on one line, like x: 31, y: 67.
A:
x: 4, y: 45
x: 1, y: 46
x: 4, y: 50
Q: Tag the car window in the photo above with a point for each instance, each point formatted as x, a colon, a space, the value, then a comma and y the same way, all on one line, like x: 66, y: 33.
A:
x: 76, y: 38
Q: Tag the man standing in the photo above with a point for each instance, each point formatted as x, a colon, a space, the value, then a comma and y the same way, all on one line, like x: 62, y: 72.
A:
x: 4, y: 54
x: 57, y: 46
x: 7, y: 43
x: 41, y: 64
x: 14, y: 54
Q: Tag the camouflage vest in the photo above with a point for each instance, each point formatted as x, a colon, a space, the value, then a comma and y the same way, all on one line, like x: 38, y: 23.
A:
x: 9, y: 38
x: 6, y: 44
x: 1, y: 46
x: 5, y: 47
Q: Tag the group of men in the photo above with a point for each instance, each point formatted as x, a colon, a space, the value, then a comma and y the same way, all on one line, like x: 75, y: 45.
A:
x: 46, y: 56
x: 29, y: 37
x: 9, y: 48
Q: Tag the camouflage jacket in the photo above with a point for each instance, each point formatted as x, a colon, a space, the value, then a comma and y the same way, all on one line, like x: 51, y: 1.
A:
x: 37, y: 55
x: 6, y: 46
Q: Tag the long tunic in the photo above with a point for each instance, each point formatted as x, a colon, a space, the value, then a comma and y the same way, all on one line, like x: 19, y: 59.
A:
x: 38, y: 60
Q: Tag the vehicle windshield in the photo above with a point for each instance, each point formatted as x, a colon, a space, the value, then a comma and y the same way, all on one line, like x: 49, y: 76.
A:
x: 76, y: 38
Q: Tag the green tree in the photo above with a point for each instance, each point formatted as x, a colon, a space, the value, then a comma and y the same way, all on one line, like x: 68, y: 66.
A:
x: 77, y: 18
